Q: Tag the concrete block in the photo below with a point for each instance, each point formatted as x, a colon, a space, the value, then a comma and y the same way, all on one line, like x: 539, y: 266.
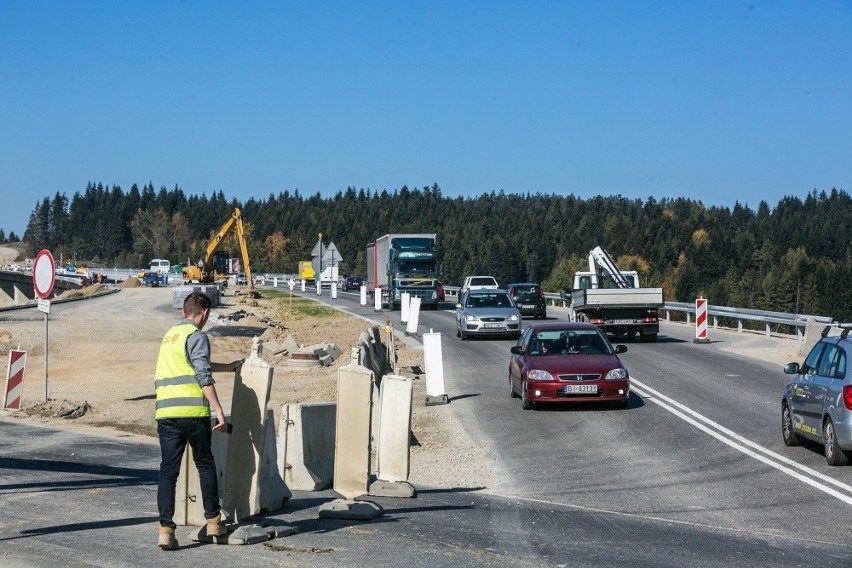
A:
x: 394, y: 436
x: 189, y: 509
x: 290, y: 344
x: 401, y: 489
x: 352, y: 431
x: 349, y: 509
x: 252, y: 483
x: 306, y: 445
x: 433, y: 360
x: 179, y: 293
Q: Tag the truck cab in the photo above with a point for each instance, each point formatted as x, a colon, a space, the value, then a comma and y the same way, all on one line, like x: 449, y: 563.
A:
x: 404, y: 263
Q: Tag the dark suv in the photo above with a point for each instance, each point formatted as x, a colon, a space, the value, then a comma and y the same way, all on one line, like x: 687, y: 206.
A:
x: 352, y: 283
x: 529, y: 297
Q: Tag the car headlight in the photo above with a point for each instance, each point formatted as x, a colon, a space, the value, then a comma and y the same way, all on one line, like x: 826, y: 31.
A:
x: 513, y: 317
x: 618, y: 374
x: 469, y: 317
x: 539, y: 375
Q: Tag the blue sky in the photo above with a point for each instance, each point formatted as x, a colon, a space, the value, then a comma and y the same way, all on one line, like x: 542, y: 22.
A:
x: 719, y: 101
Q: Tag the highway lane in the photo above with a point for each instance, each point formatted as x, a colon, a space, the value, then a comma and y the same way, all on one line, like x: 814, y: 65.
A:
x: 718, y: 462
x: 578, y: 487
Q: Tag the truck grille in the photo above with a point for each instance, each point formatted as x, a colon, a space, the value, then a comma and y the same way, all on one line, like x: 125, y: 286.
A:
x: 418, y: 293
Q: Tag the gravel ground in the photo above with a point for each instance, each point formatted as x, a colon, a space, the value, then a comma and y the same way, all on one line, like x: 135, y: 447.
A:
x: 88, y: 355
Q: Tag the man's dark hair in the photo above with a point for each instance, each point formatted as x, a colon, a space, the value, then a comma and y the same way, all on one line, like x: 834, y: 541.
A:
x: 195, y: 303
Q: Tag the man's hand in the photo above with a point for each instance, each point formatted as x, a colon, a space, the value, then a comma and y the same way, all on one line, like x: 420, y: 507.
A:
x: 221, y: 425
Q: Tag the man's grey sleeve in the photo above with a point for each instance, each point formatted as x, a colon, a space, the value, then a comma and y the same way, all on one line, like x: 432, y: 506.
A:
x: 198, y: 353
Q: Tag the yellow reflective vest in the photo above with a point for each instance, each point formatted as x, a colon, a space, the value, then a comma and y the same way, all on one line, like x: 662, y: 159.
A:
x: 178, y: 393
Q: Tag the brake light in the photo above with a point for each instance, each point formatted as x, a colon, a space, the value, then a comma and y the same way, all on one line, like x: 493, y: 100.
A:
x: 597, y: 321
x: 649, y: 320
x: 540, y: 293
x: 847, y: 396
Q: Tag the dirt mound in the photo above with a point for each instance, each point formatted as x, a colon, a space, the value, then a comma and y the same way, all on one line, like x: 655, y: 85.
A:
x: 59, y: 409
x: 130, y: 282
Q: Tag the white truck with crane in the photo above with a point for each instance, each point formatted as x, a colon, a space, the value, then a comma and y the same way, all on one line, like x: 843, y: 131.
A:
x: 404, y: 262
x: 613, y: 300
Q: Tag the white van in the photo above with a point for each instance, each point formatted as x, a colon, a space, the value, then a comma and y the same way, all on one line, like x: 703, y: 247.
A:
x: 160, y: 266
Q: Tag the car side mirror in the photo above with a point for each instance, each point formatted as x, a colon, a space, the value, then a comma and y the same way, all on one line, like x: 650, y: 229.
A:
x: 620, y: 348
x: 516, y: 350
x: 791, y: 368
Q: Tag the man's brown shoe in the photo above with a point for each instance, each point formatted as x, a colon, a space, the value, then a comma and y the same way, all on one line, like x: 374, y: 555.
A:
x: 167, y: 539
x: 215, y: 526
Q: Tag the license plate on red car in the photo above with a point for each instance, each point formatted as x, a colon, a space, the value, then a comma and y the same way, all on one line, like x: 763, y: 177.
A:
x: 581, y: 389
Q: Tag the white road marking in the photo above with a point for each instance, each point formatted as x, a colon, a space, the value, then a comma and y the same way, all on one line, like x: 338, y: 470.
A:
x: 743, y: 445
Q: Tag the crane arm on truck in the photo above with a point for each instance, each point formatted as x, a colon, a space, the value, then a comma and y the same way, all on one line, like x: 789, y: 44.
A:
x: 206, y: 272
x: 600, y: 261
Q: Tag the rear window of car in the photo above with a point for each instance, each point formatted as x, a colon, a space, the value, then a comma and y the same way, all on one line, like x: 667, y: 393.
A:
x: 526, y: 290
x: 483, y: 281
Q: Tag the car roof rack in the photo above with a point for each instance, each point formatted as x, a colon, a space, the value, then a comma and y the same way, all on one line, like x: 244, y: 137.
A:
x: 844, y: 326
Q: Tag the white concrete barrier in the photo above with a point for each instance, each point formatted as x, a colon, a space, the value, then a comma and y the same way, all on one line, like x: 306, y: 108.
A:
x: 413, y: 317
x: 352, y: 445
x: 252, y: 483
x: 306, y: 445
x: 189, y: 509
x: 394, y: 437
x: 433, y: 360
x: 405, y: 307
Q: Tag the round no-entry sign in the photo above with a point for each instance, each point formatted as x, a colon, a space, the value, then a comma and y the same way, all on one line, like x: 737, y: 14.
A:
x: 44, y: 273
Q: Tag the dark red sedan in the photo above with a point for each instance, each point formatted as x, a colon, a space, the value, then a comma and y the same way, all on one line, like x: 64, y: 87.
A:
x: 567, y: 362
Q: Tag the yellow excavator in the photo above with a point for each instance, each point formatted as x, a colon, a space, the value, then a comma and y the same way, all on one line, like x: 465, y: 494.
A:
x: 214, y: 266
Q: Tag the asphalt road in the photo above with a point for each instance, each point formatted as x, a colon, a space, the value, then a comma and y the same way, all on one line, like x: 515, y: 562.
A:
x: 692, y: 474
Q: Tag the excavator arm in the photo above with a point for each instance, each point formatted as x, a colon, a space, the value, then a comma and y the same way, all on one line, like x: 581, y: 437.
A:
x: 206, y: 272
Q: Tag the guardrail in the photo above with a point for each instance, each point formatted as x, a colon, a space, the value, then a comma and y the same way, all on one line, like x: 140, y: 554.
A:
x: 740, y: 315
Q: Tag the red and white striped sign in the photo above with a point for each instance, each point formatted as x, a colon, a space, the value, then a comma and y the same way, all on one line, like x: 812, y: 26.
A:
x: 15, y: 379
x: 701, y: 321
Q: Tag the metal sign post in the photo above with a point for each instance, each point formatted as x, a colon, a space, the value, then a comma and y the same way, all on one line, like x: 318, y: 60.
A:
x: 44, y: 276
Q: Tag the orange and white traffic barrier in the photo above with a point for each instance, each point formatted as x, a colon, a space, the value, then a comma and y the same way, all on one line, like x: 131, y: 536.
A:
x: 701, y: 321
x: 15, y: 379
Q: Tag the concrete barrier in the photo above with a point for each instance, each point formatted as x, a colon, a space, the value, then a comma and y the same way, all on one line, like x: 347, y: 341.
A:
x: 179, y: 293
x: 434, y: 361
x: 189, y: 510
x: 352, y: 445
x: 252, y: 483
x: 306, y: 438
x: 394, y: 439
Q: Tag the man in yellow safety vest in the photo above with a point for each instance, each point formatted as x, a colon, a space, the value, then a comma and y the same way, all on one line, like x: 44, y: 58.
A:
x: 186, y: 392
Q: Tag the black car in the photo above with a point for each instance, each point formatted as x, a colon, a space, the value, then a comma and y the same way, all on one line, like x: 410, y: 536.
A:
x: 352, y: 283
x: 529, y: 297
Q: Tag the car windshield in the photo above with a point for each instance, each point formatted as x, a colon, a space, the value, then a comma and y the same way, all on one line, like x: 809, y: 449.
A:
x: 569, y: 342
x: 488, y: 301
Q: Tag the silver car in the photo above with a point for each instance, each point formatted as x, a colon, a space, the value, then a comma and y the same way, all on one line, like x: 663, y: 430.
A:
x: 487, y: 312
x: 817, y: 405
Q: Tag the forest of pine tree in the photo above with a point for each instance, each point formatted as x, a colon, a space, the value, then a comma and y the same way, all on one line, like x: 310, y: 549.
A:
x: 795, y: 257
